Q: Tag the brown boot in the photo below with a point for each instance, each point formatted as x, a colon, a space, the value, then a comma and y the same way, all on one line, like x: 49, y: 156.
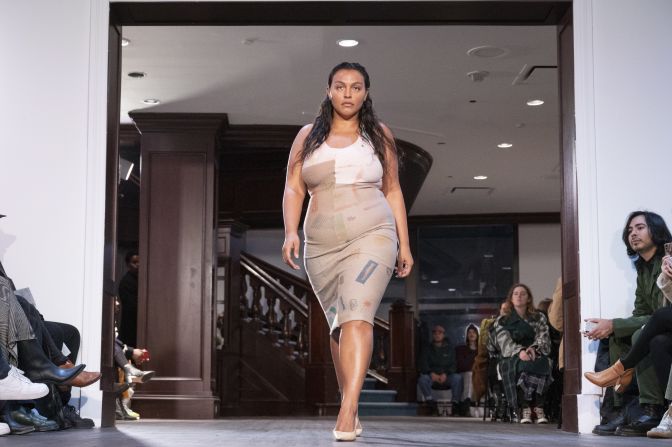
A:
x: 82, y: 379
x: 616, y: 376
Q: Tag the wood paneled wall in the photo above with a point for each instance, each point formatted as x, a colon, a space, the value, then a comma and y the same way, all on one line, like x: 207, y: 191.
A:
x: 175, y: 307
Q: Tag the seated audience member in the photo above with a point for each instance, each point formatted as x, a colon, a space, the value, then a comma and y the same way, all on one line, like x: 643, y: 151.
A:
x: 125, y: 357
x: 465, y: 355
x: 644, y: 236
x: 15, y: 386
x: 482, y: 362
x: 523, y: 340
x: 544, y: 305
x: 654, y: 334
x: 438, y: 368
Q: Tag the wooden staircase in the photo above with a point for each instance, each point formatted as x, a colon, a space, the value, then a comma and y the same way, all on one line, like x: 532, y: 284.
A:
x: 284, y: 364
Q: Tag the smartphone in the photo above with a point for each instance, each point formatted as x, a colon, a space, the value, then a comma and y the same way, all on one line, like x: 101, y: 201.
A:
x: 588, y: 326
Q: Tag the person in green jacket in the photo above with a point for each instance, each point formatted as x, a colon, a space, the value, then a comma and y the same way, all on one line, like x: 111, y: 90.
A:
x: 644, y: 236
x: 438, y: 368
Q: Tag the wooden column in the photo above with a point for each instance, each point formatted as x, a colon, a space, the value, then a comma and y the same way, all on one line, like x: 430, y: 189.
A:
x: 321, y: 383
x: 175, y: 303
x: 402, y: 373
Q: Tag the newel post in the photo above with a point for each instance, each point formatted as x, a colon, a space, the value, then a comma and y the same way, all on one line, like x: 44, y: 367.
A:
x: 321, y: 383
x: 402, y: 373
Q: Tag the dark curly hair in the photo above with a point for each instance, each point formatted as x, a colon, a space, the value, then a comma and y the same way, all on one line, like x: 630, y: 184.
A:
x: 369, y: 126
x: 660, y: 234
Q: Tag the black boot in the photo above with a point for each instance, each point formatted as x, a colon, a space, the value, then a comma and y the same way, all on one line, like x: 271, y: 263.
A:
x: 608, y: 427
x: 51, y: 407
x: 649, y: 420
x: 37, y: 366
x: 16, y: 427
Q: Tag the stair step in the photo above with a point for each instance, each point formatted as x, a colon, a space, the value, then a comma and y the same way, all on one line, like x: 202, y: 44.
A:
x: 378, y: 396
x: 369, y: 384
x: 388, y: 409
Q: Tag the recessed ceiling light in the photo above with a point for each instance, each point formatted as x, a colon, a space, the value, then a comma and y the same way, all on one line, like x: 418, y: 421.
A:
x: 348, y: 43
x: 535, y: 102
x: 433, y: 281
x: 151, y: 101
x: 451, y: 289
x: 137, y: 74
x: 487, y: 51
x: 125, y: 42
x: 480, y: 177
x: 504, y: 145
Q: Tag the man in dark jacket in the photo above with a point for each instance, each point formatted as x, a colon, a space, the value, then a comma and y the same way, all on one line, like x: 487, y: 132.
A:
x: 644, y: 235
x: 438, y: 367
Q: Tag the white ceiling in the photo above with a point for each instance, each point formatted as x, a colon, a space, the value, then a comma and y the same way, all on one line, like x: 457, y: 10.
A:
x: 420, y: 88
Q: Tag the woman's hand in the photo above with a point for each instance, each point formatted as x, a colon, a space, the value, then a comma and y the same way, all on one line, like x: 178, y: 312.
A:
x: 524, y: 356
x: 404, y: 262
x: 667, y: 266
x: 291, y: 247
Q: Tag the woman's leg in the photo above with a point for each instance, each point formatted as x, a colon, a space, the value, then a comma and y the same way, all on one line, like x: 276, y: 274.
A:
x: 661, y: 356
x: 333, y: 344
x: 355, y: 349
x: 659, y: 323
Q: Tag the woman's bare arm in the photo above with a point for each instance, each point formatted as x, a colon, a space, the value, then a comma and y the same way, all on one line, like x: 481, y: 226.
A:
x: 292, y: 200
x: 395, y: 198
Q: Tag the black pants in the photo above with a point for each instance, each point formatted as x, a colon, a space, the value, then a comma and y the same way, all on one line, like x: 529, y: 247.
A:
x: 65, y: 334
x: 655, y: 338
x: 41, y: 333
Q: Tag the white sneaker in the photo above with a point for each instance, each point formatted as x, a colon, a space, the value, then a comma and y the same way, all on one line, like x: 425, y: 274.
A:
x: 664, y: 429
x: 527, y: 416
x: 4, y: 429
x: 17, y: 387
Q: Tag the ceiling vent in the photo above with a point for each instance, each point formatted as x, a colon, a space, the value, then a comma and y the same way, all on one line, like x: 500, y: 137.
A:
x: 478, y: 76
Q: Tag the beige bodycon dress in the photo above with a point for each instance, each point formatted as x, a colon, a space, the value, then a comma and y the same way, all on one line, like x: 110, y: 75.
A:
x: 350, y: 233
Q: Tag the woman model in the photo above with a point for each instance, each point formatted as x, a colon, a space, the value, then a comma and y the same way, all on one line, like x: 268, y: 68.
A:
x: 522, y: 337
x: 355, y: 228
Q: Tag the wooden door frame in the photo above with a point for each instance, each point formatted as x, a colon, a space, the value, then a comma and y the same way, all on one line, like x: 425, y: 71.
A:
x: 280, y: 13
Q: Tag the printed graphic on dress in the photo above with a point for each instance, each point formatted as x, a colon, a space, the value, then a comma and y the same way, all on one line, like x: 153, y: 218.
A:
x: 353, y: 305
x: 366, y: 272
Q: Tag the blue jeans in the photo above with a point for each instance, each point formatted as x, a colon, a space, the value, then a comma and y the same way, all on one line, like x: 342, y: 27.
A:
x: 454, y: 383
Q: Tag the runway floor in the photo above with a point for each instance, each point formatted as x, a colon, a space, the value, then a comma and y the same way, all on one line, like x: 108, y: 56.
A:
x: 313, y: 432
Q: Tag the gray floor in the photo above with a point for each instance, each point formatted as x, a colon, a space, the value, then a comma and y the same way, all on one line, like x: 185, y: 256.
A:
x: 311, y: 432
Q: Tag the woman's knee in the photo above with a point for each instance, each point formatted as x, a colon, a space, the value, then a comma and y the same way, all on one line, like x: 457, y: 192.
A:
x: 357, y: 326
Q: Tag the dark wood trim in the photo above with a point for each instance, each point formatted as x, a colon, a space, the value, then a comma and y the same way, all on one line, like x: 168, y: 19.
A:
x: 107, y: 366
x: 341, y: 13
x: 331, y: 13
x: 569, y: 228
x: 485, y: 219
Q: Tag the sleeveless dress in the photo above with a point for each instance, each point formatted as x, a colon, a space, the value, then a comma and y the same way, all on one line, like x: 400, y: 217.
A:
x: 349, y: 230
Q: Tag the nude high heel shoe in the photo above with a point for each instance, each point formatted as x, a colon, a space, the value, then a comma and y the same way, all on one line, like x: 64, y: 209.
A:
x: 345, y: 435
x: 616, y: 376
x: 358, y: 427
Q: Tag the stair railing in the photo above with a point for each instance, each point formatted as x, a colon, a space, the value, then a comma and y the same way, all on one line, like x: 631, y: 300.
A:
x: 277, y: 302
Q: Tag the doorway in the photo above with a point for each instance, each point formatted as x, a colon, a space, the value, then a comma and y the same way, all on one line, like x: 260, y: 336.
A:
x: 366, y: 14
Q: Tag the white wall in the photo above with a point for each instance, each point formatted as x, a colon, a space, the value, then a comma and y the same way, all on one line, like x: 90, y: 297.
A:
x: 623, y: 67
x: 539, y: 258
x: 52, y: 151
